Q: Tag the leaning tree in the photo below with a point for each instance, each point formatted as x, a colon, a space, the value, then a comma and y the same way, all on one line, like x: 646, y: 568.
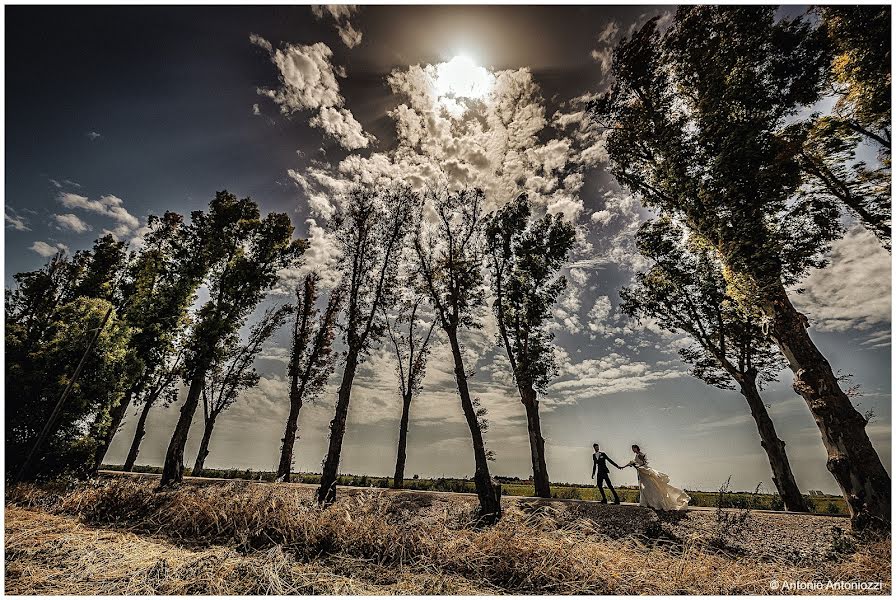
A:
x: 859, y: 80
x: 247, y: 254
x: 61, y: 323
x: 310, y: 361
x: 370, y: 232
x: 163, y: 387
x: 234, y: 372
x: 410, y: 338
x: 525, y: 256
x: 449, y: 266
x: 684, y: 292
x: 159, y: 288
x: 694, y: 122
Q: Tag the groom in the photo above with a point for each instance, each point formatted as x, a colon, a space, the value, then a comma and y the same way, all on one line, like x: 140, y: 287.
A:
x: 603, y: 474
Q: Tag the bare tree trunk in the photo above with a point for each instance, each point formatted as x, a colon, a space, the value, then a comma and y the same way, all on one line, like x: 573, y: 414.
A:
x: 289, y: 439
x: 398, y: 480
x: 173, y: 471
x: 782, y: 475
x: 536, y: 443
x: 326, y: 493
x: 199, y: 465
x: 852, y: 459
x: 138, y: 434
x: 116, y: 416
x: 489, y: 495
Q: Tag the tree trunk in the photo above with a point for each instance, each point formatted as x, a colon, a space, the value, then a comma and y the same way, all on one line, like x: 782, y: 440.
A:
x: 173, y: 471
x: 774, y: 448
x: 488, y: 493
x: 852, y: 459
x: 116, y: 416
x: 398, y: 480
x: 289, y: 440
x: 203, y: 446
x: 536, y: 443
x: 326, y: 493
x: 138, y: 435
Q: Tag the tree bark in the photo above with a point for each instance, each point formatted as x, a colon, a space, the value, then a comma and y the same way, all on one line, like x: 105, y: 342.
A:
x: 199, y: 465
x: 173, y: 471
x: 326, y: 493
x: 398, y: 480
x: 536, y: 443
x: 289, y: 440
x: 138, y: 435
x: 852, y: 459
x: 487, y: 492
x: 116, y: 416
x: 782, y: 476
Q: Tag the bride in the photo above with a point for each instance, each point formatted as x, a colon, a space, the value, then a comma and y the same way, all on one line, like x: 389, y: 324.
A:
x: 656, y: 491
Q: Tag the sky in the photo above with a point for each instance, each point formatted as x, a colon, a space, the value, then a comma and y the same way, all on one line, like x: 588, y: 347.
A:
x: 115, y: 113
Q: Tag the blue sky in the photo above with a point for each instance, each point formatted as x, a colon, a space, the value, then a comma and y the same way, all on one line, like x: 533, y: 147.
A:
x: 114, y: 113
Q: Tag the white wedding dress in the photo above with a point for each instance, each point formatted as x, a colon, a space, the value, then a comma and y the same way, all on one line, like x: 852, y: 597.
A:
x: 656, y: 491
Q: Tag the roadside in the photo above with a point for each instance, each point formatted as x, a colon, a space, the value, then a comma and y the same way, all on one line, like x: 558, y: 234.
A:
x: 355, y: 489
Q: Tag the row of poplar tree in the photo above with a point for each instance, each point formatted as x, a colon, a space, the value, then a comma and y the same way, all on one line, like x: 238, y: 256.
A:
x: 706, y: 122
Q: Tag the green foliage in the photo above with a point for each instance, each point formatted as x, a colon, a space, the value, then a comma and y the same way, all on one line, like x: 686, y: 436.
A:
x: 49, y: 324
x: 860, y: 80
x: 685, y: 292
x: 525, y: 257
x: 860, y: 39
x: 246, y: 253
x: 311, y: 355
x: 695, y: 120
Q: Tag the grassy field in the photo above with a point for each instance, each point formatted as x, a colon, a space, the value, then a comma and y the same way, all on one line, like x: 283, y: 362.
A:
x: 514, y: 487
x: 121, y: 536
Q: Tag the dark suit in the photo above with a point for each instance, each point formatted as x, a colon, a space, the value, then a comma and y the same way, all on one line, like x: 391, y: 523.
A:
x: 599, y: 468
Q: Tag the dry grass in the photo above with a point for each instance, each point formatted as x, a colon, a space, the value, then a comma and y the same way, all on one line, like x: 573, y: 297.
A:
x: 256, y: 539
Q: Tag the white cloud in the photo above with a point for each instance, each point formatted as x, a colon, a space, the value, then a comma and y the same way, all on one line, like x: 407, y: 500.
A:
x: 854, y: 291
x: 108, y: 205
x: 322, y: 257
x: 608, y: 375
x: 71, y: 222
x: 308, y: 82
x: 46, y: 250
x: 340, y: 124
x: 350, y: 36
x: 599, y: 314
x: 494, y: 136
x: 15, y: 220
x: 341, y: 13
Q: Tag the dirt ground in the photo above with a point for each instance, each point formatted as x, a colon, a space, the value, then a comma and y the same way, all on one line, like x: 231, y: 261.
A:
x: 123, y: 537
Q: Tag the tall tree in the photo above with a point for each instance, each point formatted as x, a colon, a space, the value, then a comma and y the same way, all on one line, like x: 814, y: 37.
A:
x: 51, y: 317
x: 694, y: 120
x: 449, y: 264
x: 684, y: 292
x: 525, y: 257
x: 370, y: 233
x: 860, y: 81
x: 160, y: 285
x: 234, y: 372
x: 310, y: 361
x: 247, y: 253
x: 164, y: 387
x: 410, y: 340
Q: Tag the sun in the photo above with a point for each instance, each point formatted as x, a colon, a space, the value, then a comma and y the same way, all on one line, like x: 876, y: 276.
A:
x: 461, y: 77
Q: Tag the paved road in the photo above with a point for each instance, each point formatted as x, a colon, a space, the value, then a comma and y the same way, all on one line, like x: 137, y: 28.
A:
x: 352, y: 490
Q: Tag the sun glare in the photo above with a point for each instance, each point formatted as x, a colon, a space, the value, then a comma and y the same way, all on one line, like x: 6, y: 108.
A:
x: 460, y: 77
